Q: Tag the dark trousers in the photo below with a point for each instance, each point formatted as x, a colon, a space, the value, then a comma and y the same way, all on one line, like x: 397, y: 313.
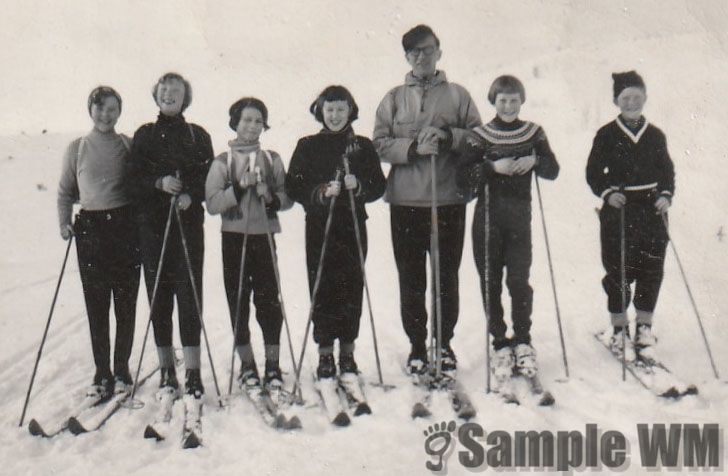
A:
x: 174, y: 278
x: 411, y: 243
x: 337, y: 310
x: 259, y: 279
x: 645, y: 242
x: 509, y: 247
x: 108, y: 261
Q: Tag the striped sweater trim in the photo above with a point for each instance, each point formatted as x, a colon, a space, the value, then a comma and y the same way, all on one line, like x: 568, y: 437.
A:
x: 501, y: 137
x: 633, y: 137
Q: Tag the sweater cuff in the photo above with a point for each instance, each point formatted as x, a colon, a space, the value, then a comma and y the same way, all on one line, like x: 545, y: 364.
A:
x: 446, y: 145
x: 272, y: 207
x: 237, y: 190
x: 667, y: 194
x: 412, y: 154
x: 606, y: 193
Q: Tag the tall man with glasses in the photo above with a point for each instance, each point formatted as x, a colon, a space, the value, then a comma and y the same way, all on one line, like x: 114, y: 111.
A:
x: 424, y: 117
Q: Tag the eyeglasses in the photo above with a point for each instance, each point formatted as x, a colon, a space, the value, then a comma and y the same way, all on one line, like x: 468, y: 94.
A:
x: 427, y: 50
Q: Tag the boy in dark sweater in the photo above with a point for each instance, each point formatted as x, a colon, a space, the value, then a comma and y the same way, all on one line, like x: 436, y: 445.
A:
x: 498, y: 162
x: 630, y: 169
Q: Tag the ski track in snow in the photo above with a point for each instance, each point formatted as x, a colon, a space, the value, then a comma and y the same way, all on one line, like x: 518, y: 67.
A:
x: 236, y: 441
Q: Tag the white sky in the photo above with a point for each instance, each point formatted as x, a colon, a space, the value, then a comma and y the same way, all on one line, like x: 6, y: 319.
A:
x: 54, y: 53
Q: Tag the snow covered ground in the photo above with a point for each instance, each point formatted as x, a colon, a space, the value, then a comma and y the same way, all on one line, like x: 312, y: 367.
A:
x: 285, y: 53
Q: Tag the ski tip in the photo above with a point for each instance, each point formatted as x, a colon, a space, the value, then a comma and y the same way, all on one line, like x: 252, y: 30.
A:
x: 191, y: 441
x: 342, y: 419
x: 363, y: 409
x: 420, y: 411
x: 280, y: 422
x: 294, y: 423
x: 691, y: 390
x: 672, y: 392
x: 75, y: 426
x: 467, y: 415
x: 150, y: 432
x: 35, y: 429
x: 547, y: 400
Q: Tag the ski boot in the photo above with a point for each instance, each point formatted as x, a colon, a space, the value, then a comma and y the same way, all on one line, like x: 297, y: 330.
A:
x: 525, y: 358
x: 449, y: 363
x: 193, y: 383
x: 102, y: 387
x: 248, y: 375
x: 502, y: 366
x: 417, y: 361
x: 615, y: 344
x: 326, y: 367
x: 273, y: 377
x: 123, y: 382
x: 644, y: 344
x: 347, y: 364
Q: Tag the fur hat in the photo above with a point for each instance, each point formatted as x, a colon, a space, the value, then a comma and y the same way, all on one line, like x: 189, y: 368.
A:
x: 629, y: 79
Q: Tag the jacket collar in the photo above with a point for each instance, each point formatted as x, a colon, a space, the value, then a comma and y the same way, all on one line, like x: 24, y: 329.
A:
x: 438, y: 78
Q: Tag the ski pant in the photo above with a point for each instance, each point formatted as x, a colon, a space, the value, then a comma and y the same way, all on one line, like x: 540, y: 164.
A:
x: 259, y: 279
x: 174, y: 277
x: 411, y: 229
x: 338, y: 302
x: 509, y: 247
x: 108, y: 262
x: 645, y: 244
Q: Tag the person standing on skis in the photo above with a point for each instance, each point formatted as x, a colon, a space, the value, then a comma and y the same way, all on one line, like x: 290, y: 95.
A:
x: 237, y: 181
x: 170, y: 159
x: 424, y: 117
x: 315, y: 177
x: 502, y: 155
x: 95, y: 173
x: 630, y: 169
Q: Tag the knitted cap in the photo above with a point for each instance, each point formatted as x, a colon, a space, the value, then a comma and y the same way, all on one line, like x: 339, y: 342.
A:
x: 629, y: 79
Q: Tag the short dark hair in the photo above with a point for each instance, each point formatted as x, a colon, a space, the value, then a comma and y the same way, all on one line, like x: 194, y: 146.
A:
x: 99, y: 95
x: 416, y: 35
x: 236, y: 110
x: 506, y: 84
x: 178, y: 77
x: 330, y: 94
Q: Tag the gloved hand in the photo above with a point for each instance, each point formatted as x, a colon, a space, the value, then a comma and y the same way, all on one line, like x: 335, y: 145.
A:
x: 616, y: 200
x: 248, y: 179
x: 350, y: 181
x: 67, y: 232
x: 332, y: 189
x: 171, y: 184
x: 184, y: 201
x: 263, y: 191
x: 662, y: 204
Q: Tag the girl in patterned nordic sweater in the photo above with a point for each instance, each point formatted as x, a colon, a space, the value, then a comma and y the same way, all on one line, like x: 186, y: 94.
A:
x: 502, y: 155
x: 629, y: 167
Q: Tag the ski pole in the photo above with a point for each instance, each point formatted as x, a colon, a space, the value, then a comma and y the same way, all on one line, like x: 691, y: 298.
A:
x: 198, y: 304
x: 316, y: 284
x: 360, y: 248
x: 486, y: 279
x: 239, y: 299
x: 623, y: 285
x: 435, y: 265
x: 690, y: 295
x: 276, y: 271
x: 45, y: 331
x: 153, y: 300
x: 553, y: 280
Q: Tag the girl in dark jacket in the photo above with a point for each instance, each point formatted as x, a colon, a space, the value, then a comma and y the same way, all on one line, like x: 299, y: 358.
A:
x: 316, y: 175
x: 170, y: 158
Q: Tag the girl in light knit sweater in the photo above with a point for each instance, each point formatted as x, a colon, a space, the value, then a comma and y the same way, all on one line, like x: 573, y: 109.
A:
x: 235, y: 184
x: 94, y: 173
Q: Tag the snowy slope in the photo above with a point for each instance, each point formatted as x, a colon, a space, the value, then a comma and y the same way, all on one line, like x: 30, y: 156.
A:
x: 564, y: 54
